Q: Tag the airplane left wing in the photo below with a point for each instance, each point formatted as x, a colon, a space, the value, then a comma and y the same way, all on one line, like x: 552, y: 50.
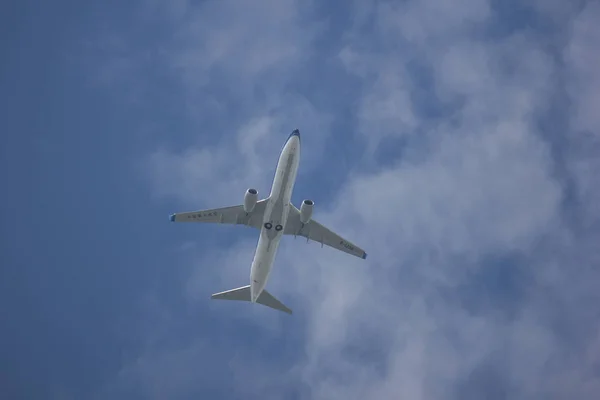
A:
x: 319, y: 233
x: 234, y: 215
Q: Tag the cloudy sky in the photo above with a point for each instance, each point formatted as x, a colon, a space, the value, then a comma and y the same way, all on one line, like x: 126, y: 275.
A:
x: 457, y: 143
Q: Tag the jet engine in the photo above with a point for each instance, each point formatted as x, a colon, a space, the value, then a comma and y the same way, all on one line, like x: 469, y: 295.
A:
x: 306, y: 210
x: 250, y: 199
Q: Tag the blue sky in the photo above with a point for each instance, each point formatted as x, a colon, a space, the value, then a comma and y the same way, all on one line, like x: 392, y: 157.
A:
x: 458, y: 144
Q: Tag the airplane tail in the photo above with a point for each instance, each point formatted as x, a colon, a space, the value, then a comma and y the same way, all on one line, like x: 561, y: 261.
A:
x: 243, y: 294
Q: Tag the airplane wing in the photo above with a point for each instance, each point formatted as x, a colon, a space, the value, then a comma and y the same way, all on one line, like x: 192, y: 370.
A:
x: 234, y: 215
x: 319, y: 233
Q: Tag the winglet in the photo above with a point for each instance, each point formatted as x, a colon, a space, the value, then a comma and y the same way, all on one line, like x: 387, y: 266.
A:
x: 172, y: 217
x: 364, y: 256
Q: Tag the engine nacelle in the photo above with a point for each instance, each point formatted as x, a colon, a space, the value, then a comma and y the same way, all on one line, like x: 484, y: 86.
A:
x: 306, y: 210
x: 250, y: 199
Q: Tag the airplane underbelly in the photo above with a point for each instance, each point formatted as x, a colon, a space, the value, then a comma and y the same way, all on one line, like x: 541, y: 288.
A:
x: 263, y: 260
x: 274, y: 220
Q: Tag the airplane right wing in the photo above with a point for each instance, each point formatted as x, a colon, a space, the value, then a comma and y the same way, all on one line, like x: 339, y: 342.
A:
x: 319, y: 233
x: 234, y: 215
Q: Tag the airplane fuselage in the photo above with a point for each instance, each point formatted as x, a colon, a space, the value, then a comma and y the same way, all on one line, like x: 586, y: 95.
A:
x: 275, y: 216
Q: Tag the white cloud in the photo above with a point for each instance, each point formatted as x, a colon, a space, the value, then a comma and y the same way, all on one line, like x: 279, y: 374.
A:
x: 430, y: 22
x: 242, y: 48
x: 583, y: 86
x: 479, y: 185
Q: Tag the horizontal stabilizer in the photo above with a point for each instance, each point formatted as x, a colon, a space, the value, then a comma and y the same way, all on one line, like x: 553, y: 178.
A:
x: 239, y: 294
x: 243, y: 294
x: 267, y: 299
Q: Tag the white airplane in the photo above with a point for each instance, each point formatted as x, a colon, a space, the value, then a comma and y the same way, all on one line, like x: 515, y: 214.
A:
x: 274, y: 216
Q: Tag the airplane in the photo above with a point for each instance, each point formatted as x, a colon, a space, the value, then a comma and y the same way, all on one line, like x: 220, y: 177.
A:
x: 275, y: 217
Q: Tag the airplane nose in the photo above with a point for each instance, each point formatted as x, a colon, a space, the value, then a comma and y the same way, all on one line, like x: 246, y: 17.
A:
x: 295, y: 132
